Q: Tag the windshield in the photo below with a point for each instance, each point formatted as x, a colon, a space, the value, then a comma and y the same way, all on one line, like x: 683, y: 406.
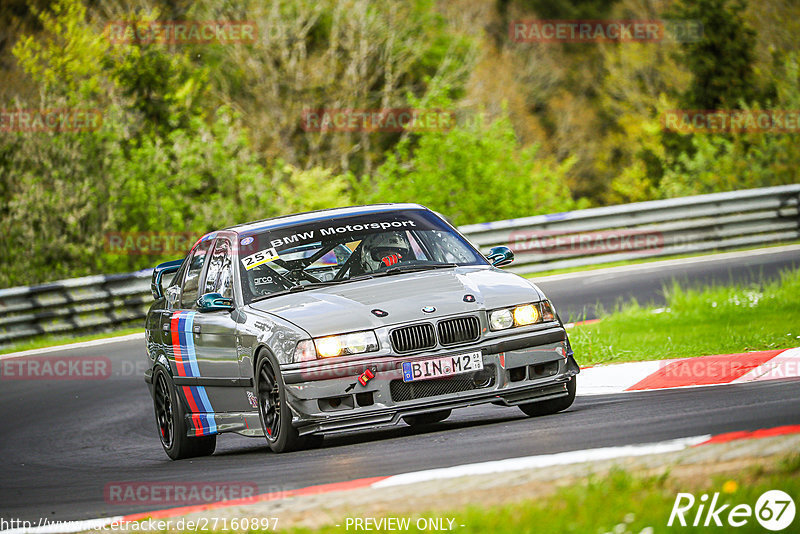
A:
x: 334, y: 251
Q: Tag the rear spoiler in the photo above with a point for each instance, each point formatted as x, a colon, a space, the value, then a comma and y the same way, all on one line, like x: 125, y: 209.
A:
x: 158, y: 273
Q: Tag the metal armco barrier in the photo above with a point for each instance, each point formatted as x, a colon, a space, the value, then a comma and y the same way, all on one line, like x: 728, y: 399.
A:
x: 73, y: 306
x: 645, y: 229
x: 543, y: 242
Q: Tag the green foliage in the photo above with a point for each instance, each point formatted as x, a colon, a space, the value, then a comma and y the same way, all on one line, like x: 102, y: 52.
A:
x: 570, y: 9
x: 330, y: 54
x: 725, y: 162
x: 309, y: 190
x: 474, y: 171
x: 722, y: 61
x: 720, y: 163
x: 55, y: 213
x: 200, y: 136
x: 157, y: 163
x: 67, y: 59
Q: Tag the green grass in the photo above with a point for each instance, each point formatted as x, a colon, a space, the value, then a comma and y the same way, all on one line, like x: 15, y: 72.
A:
x: 696, y: 322
x: 646, y: 259
x: 53, y: 341
x: 618, y: 502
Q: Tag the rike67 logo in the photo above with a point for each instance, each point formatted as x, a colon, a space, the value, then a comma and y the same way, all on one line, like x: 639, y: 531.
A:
x: 774, y: 510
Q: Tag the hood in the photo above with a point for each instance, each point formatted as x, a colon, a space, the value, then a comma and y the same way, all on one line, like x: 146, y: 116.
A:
x: 348, y: 307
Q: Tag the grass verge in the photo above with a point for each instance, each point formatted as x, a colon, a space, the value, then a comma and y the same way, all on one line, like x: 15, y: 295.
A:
x: 696, y: 322
x: 617, y: 502
x: 54, y: 341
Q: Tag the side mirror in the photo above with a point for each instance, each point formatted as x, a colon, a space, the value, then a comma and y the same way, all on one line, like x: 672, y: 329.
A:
x: 209, y: 302
x: 499, y: 256
x: 158, y: 273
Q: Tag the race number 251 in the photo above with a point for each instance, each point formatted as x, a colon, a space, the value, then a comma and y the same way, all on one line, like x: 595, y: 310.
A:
x: 259, y: 258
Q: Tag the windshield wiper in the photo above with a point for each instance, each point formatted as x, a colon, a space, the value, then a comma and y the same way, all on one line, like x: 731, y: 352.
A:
x: 399, y: 269
x: 357, y: 278
x: 293, y: 289
x: 297, y: 288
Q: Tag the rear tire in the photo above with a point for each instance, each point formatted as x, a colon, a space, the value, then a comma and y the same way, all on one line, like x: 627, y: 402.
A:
x: 427, y: 418
x: 273, y: 410
x: 535, y: 409
x: 171, y: 422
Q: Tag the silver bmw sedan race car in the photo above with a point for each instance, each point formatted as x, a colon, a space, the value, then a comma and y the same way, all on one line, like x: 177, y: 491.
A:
x: 305, y: 325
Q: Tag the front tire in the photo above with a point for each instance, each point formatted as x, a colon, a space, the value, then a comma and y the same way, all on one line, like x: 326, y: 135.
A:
x: 536, y: 409
x: 427, y: 418
x: 273, y: 410
x: 171, y: 422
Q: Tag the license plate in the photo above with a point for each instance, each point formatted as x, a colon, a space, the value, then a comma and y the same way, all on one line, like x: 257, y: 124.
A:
x: 439, y: 367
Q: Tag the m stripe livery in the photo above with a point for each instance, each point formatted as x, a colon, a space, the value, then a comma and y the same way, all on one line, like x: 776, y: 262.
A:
x: 181, y: 324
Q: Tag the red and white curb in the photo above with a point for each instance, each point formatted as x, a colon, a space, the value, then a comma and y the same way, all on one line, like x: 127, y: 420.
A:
x: 690, y: 372
x: 483, y: 468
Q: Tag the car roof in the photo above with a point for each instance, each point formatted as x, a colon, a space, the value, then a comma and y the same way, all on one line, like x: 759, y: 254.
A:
x: 319, y: 215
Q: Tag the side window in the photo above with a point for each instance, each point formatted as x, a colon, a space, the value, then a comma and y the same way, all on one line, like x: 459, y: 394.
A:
x: 190, y: 284
x: 219, y: 278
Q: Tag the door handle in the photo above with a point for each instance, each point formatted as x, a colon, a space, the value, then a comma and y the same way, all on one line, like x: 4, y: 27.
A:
x: 196, y: 329
x: 165, y: 327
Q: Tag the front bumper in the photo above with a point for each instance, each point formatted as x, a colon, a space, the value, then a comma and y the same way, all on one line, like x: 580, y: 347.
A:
x: 533, y: 366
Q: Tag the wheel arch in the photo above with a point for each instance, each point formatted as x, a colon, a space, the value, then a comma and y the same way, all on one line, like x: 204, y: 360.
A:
x: 263, y: 349
x: 163, y: 361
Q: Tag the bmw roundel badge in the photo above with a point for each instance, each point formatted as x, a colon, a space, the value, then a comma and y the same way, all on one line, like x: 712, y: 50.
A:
x: 428, y: 309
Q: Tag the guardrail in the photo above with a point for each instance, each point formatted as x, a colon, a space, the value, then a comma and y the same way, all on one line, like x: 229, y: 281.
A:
x: 645, y: 229
x: 74, y: 305
x: 543, y: 242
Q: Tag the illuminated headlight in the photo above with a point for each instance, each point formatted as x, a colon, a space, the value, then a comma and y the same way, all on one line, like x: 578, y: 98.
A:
x: 525, y: 315
x: 522, y: 315
x: 341, y: 345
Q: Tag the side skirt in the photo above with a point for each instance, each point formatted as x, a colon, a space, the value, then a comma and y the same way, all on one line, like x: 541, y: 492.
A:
x: 244, y: 423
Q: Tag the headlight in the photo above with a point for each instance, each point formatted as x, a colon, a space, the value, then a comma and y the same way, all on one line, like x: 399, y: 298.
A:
x: 522, y: 315
x: 525, y: 315
x: 304, y: 352
x: 500, y: 319
x: 353, y: 343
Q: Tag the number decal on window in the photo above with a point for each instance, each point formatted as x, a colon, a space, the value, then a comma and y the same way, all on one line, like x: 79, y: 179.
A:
x: 259, y: 258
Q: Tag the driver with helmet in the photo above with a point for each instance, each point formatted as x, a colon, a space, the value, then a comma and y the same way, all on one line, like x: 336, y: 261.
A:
x: 384, y: 250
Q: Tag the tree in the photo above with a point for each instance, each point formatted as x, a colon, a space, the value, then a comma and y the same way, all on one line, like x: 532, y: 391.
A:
x: 476, y: 171
x: 158, y: 162
x: 721, y: 62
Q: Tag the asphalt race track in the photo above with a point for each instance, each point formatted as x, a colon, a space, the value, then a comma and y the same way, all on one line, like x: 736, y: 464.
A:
x: 61, y: 442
